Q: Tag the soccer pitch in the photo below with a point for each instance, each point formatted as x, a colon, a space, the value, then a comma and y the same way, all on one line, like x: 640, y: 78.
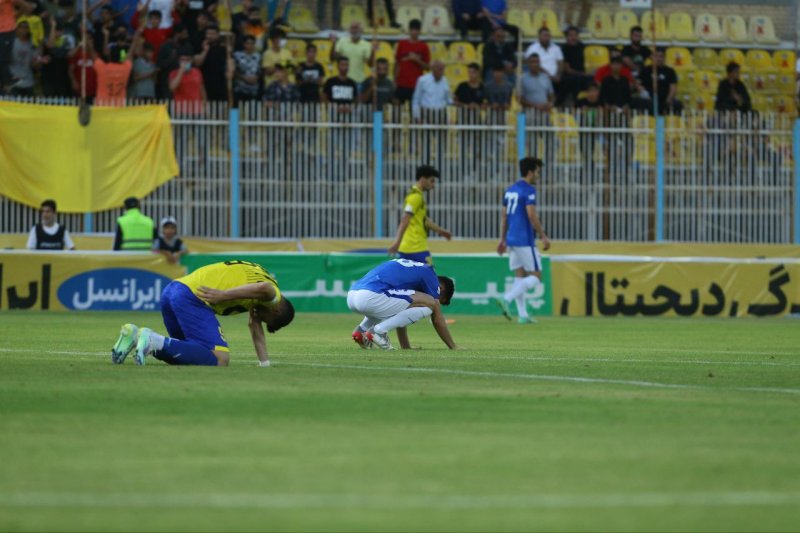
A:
x: 570, y: 424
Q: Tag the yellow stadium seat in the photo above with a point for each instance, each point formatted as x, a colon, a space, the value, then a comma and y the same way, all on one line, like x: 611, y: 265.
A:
x: 762, y: 30
x: 784, y: 104
x: 385, y: 51
x: 546, y: 18
x: 706, y: 81
x: 759, y: 60
x: 762, y: 103
x: 762, y: 83
x: 595, y: 56
x: 708, y: 29
x: 679, y: 58
x: 324, y: 47
x: 785, y: 83
x: 455, y: 74
x: 686, y: 81
x: 681, y: 27
x: 521, y: 18
x: 438, y: 51
x: 298, y: 49
x: 728, y: 55
x: 706, y: 58
x: 655, y: 24
x: 601, y: 24
x: 735, y: 29
x: 437, y: 21
x: 624, y: 20
x: 353, y: 13
x: 702, y: 102
x: 567, y: 138
x: 644, y: 144
x: 302, y: 21
x: 784, y: 60
x: 461, y: 52
x: 405, y: 14
x: 382, y: 21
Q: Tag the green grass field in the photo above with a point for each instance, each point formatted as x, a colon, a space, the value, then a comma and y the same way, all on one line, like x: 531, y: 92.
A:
x: 570, y: 424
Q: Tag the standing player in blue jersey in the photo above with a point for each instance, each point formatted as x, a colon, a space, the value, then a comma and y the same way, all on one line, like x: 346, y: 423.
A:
x: 396, y: 294
x: 520, y: 225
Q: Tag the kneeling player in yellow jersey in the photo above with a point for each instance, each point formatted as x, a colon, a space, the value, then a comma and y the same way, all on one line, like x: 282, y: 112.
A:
x: 189, y: 305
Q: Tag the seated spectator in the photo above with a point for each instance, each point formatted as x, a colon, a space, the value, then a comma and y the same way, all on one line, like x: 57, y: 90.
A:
x: 412, y: 57
x: 380, y: 86
x: 341, y: 89
x: 168, y: 243
x: 667, y: 84
x: 494, y: 16
x: 24, y: 58
x: 282, y: 89
x: 432, y: 91
x: 145, y: 73
x: 635, y: 54
x: 591, y: 99
x: 732, y: 95
x: 359, y: 52
x: 550, y: 55
x: 605, y: 70
x: 615, y: 90
x: 499, y: 90
x: 310, y: 76
x: 248, y: 71
x: 78, y: 63
x: 468, y: 15
x: 471, y: 93
x: 537, y: 88
x: 499, y: 53
x: 112, y: 77
x: 49, y: 234
x: 574, y: 78
x: 186, y: 84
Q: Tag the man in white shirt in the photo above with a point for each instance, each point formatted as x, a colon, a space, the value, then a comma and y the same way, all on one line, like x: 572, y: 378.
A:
x: 49, y: 234
x: 549, y: 54
x: 432, y: 91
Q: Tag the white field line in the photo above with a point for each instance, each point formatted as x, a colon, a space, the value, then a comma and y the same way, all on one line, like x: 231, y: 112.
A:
x: 389, y: 501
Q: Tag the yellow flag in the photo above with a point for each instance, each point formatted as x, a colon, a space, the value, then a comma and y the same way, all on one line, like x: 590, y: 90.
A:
x: 46, y: 153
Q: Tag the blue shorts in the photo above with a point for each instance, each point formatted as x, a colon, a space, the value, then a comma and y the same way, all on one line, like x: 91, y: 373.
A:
x: 419, y: 257
x: 187, y: 318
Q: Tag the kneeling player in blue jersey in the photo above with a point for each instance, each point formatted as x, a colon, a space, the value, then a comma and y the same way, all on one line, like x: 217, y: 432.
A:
x: 189, y: 305
x: 395, y: 295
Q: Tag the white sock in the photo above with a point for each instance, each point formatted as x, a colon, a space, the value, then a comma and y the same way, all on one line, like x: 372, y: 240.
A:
x: 509, y: 296
x: 521, y: 285
x: 368, y: 323
x: 522, y: 309
x: 157, y: 340
x: 402, y: 319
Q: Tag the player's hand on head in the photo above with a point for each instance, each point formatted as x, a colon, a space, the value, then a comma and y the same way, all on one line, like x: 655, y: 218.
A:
x: 210, y: 295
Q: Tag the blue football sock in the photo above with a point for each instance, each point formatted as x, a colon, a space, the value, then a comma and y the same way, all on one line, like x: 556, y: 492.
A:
x: 177, y: 352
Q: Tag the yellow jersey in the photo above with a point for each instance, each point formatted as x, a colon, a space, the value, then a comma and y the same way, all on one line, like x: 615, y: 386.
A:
x: 415, y: 239
x: 228, y: 275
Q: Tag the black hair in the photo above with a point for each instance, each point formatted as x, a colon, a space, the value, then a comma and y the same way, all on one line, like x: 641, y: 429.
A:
x: 637, y: 28
x: 529, y: 164
x: 474, y: 65
x: 276, y: 33
x: 532, y: 56
x: 283, y: 318
x: 615, y: 59
x: 448, y: 287
x: 311, y: 46
x: 49, y: 203
x: 155, y: 13
x: 186, y: 51
x: 415, y: 24
x: 572, y: 28
x: 382, y: 61
x: 733, y: 65
x: 426, y: 171
x: 342, y: 58
x: 131, y: 202
x: 543, y: 28
x: 248, y: 38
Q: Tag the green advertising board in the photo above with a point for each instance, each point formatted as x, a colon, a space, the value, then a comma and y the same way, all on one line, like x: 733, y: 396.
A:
x: 319, y: 282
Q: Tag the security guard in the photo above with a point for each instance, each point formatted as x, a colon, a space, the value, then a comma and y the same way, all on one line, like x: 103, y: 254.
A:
x: 135, y: 231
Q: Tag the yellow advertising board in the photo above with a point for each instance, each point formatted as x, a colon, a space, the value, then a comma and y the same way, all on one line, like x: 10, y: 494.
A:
x: 692, y: 287
x: 122, y: 281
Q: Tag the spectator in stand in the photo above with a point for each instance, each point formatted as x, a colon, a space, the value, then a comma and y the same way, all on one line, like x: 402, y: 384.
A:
x: 732, y: 95
x: 78, y: 64
x: 117, y: 40
x: 197, y: 34
x: 471, y: 93
x: 55, y: 70
x: 469, y: 16
x: 494, y: 15
x: 358, y: 52
x: 8, y: 28
x: 255, y: 27
x: 605, y: 70
x: 615, y: 90
x: 165, y: 7
x: 239, y: 20
x: 667, y: 85
x: 152, y: 32
x: 591, y: 99
x: 145, y: 75
x: 499, y: 90
x: 167, y: 59
x: 432, y: 91
x: 135, y: 231
x: 186, y: 84
x: 24, y: 58
x: 113, y: 76
x: 248, y: 71
x: 389, y: 11
x: 168, y: 243
x: 575, y: 78
x: 213, y: 63
x: 499, y: 53
x: 383, y: 86
x: 550, y: 56
x: 282, y: 89
x: 49, y: 234
x: 106, y: 22
x: 583, y: 13
x: 341, y: 89
x: 34, y: 21
x: 537, y: 87
x: 274, y: 55
x: 411, y: 59
x: 310, y: 76
x: 635, y: 54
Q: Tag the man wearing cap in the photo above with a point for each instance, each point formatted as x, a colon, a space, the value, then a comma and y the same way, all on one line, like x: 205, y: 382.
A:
x: 135, y: 231
x: 168, y: 243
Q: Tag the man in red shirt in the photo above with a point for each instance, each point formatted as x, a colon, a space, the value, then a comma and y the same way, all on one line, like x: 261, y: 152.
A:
x: 605, y: 71
x: 152, y: 32
x: 411, y: 60
x: 186, y: 84
x: 79, y: 62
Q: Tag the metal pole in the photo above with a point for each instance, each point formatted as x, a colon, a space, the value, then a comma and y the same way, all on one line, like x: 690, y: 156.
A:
x: 796, y: 155
x: 233, y: 141
x: 660, y: 146
x: 655, y: 67
x: 377, y: 151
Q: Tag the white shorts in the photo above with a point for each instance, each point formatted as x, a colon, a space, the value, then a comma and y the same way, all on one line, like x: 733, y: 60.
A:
x: 526, y: 257
x: 375, y: 304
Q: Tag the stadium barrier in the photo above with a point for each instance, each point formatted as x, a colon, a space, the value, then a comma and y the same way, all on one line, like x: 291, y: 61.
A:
x: 308, y: 171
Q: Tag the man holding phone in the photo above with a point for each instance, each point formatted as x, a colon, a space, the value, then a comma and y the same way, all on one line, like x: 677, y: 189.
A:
x: 186, y: 84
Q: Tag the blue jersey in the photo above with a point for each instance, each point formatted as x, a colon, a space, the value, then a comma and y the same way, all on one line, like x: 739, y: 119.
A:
x: 515, y: 200
x: 399, y: 278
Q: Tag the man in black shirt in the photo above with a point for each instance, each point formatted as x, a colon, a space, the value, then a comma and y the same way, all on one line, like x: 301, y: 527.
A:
x: 382, y: 85
x: 635, y: 54
x: 732, y: 95
x: 498, y: 53
x: 340, y: 89
x: 615, y: 90
x: 574, y: 78
x: 667, y: 85
x: 167, y: 60
x: 213, y: 62
x: 470, y: 93
x: 309, y: 76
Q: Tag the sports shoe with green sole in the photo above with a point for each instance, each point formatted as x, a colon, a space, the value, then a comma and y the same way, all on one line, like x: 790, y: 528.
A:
x: 526, y: 320
x: 503, y: 307
x: 128, y: 335
x: 144, y: 346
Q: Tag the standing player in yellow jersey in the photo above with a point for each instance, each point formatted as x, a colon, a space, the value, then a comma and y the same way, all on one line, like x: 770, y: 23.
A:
x: 412, y: 232
x: 189, y: 305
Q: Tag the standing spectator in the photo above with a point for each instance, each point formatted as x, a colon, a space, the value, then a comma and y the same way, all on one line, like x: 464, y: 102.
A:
x: 635, y: 54
x: 135, y: 231
x: 282, y: 89
x: 49, y: 234
x: 152, y: 32
x: 145, y: 74
x: 411, y: 59
x: 255, y: 27
x: 106, y: 22
x: 24, y: 58
x: 112, y: 77
x: 667, y: 84
x: 80, y: 63
x: 358, y: 52
x: 341, y: 89
x: 591, y: 100
x: 432, y: 92
x: 197, y: 33
x: 471, y: 93
x: 165, y: 8
x: 248, y: 71
x: 168, y: 243
x: 469, y: 16
x: 615, y: 90
x: 499, y: 53
x: 574, y: 78
x: 274, y: 55
x: 605, y: 70
x: 213, y: 63
x: 537, y: 88
x: 550, y: 56
x: 389, y: 12
x: 382, y: 85
x: 8, y: 27
x: 732, y: 95
x: 310, y: 76
x: 167, y: 59
x: 499, y: 90
x: 34, y: 21
x: 239, y: 20
x: 186, y: 84
x: 55, y: 71
x: 494, y: 15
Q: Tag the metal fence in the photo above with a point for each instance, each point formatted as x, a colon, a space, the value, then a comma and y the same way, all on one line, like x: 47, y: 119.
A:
x: 325, y: 171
